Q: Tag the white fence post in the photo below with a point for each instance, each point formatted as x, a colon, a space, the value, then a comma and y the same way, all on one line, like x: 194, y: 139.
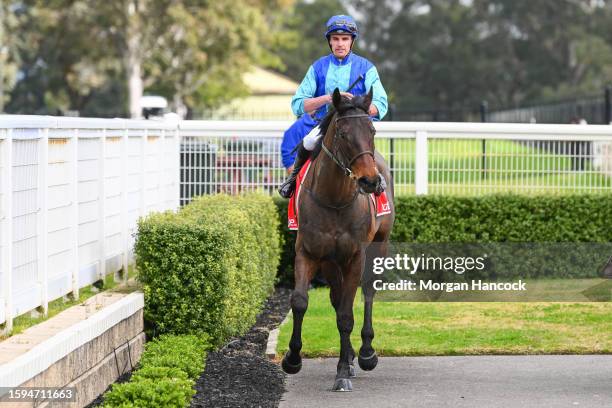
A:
x: 161, y: 196
x: 124, y: 203
x: 421, y: 163
x: 42, y: 219
x: 177, y: 180
x: 101, y: 209
x: 7, y: 229
x: 74, y: 210
x: 143, y: 187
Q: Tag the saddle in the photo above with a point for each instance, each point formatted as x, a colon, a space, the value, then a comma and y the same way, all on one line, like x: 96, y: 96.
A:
x: 381, y: 202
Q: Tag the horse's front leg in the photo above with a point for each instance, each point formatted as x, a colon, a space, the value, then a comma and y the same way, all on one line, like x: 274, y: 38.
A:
x: 334, y: 279
x: 345, y: 322
x: 367, y: 355
x: 305, y: 269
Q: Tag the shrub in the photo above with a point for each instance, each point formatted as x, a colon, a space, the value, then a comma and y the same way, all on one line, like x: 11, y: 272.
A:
x: 503, y: 218
x: 209, y: 267
x: 514, y: 219
x: 159, y: 373
x: 181, y: 265
x: 168, y: 369
x: 285, y: 268
x: 145, y: 393
x: 184, y: 352
x: 486, y: 219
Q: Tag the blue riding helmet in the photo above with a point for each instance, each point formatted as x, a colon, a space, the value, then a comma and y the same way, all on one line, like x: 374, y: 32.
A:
x: 341, y: 24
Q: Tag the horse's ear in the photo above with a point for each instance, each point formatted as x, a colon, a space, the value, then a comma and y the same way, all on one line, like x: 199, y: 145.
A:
x: 367, y: 101
x: 336, y: 98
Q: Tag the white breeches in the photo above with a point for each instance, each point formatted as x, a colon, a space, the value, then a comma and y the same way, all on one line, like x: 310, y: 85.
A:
x: 310, y: 140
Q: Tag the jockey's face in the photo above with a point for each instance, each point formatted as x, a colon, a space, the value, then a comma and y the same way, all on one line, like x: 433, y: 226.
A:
x: 340, y: 44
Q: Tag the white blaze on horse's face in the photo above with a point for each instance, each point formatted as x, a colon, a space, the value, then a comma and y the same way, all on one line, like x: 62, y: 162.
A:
x: 340, y: 45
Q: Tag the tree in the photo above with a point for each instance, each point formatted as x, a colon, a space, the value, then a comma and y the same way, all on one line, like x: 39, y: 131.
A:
x: 92, y: 56
x: 9, y: 62
x: 558, y: 44
x: 303, y: 30
x: 59, y: 69
x: 453, y: 54
x: 191, y: 45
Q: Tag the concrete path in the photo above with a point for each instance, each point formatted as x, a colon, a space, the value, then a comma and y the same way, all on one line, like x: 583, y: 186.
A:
x: 21, y: 343
x: 474, y: 382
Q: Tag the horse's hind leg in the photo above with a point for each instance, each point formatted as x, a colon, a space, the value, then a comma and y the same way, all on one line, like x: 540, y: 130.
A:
x: 367, y: 356
x: 305, y: 269
x: 345, y: 322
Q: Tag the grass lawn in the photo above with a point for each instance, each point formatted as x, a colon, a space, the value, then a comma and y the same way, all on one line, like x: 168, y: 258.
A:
x: 456, y: 167
x: 414, y: 328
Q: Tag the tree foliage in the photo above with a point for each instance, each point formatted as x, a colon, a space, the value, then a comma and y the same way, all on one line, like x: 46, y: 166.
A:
x: 85, y: 53
x: 456, y: 53
x: 64, y: 64
x: 9, y: 59
x: 93, y: 57
x: 304, y: 29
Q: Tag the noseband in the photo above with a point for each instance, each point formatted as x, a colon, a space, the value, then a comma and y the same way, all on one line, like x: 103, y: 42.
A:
x: 346, y: 168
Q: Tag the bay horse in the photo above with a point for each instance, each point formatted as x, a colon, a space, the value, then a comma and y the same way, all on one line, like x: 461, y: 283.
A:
x: 337, y: 220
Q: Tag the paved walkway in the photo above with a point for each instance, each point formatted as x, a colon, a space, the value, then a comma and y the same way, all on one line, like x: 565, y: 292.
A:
x: 19, y: 344
x: 474, y: 382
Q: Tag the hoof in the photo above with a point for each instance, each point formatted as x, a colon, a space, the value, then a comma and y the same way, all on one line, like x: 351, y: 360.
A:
x: 352, y: 371
x: 368, y: 363
x: 343, y: 385
x: 290, y: 368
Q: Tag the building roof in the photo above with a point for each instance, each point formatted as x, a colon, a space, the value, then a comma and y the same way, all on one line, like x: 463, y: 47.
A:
x: 263, y: 82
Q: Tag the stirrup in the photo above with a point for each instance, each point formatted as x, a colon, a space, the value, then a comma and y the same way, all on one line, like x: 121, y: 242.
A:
x: 383, y: 186
x: 288, y: 187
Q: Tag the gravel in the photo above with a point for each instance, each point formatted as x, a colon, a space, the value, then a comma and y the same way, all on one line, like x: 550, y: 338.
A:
x: 239, y: 374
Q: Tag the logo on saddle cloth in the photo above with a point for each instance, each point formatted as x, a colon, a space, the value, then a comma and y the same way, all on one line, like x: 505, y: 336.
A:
x: 381, y: 202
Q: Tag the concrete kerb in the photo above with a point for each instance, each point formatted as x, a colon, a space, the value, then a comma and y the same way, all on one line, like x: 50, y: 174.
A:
x: 273, y: 338
x: 87, y: 346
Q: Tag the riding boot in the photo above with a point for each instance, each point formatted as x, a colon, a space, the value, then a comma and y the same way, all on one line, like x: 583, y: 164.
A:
x: 288, y: 187
x: 381, y: 187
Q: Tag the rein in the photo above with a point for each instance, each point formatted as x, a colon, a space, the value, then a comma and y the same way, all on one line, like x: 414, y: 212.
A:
x: 345, y: 168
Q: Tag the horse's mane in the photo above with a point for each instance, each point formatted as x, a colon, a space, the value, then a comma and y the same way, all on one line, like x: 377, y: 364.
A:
x: 345, y: 105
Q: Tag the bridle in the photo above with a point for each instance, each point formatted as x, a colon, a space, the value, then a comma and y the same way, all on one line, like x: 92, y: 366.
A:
x: 345, y: 168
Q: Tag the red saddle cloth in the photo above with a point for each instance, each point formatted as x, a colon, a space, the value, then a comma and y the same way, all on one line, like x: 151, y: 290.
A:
x: 381, y: 201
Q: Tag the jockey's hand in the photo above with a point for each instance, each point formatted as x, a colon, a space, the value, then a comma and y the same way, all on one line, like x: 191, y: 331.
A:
x: 289, y: 169
x: 373, y: 111
x: 347, y: 95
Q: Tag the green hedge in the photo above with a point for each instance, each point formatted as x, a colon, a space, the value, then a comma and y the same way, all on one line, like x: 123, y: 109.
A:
x: 184, y: 353
x: 169, y: 367
x: 492, y: 218
x: 285, y: 269
x: 209, y: 267
x: 503, y: 218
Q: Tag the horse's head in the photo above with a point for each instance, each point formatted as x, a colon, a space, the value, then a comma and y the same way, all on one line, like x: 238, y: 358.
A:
x: 352, y: 143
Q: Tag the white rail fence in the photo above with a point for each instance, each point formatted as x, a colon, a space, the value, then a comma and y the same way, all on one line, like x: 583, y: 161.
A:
x: 72, y: 189
x: 425, y: 158
x: 71, y: 193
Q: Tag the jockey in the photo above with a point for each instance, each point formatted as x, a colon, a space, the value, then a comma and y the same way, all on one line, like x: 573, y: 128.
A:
x: 341, y: 69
